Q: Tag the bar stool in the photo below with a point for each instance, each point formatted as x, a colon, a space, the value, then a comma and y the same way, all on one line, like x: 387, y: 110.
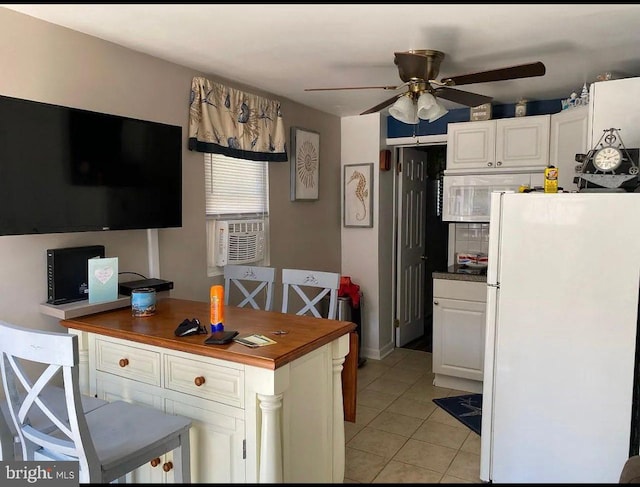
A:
x: 107, y: 442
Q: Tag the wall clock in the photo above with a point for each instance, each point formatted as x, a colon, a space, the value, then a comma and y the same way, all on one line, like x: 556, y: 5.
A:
x: 609, y: 164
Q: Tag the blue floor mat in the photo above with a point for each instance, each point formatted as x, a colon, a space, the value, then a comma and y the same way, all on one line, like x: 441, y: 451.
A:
x: 467, y: 409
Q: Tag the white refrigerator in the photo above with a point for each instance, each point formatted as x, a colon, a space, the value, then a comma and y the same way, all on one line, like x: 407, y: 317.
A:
x: 563, y: 284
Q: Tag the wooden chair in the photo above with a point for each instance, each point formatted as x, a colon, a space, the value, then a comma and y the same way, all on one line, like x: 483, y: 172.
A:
x: 109, y: 441
x: 54, y: 396
x: 239, y: 275
x: 311, y: 287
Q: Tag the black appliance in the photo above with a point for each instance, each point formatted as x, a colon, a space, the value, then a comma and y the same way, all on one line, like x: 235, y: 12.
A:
x: 70, y: 170
x: 67, y: 273
x: 158, y: 285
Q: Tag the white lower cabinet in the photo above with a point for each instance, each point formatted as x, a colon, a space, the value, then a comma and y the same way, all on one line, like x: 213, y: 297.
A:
x: 216, y: 437
x: 217, y: 441
x: 459, y: 311
x: 211, y: 395
x: 249, y: 424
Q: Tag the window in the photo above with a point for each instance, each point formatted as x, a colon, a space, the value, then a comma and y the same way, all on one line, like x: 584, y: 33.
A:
x: 235, y: 189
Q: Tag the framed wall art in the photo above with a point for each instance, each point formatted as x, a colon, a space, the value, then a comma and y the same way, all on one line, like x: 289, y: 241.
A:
x: 305, y: 164
x: 358, y: 195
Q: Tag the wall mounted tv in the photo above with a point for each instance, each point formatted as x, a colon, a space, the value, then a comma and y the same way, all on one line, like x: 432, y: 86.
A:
x: 69, y: 170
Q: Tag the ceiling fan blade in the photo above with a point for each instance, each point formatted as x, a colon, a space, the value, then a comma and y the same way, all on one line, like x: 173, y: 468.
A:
x: 382, y: 105
x: 514, y: 72
x: 356, y: 88
x: 462, y: 97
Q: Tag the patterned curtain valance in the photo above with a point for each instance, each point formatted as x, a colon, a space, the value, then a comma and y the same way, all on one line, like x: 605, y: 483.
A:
x: 227, y: 121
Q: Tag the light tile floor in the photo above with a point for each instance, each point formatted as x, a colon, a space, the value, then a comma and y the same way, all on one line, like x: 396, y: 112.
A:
x: 400, y: 435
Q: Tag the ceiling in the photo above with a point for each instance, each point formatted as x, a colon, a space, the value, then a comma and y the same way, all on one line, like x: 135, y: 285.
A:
x: 283, y: 49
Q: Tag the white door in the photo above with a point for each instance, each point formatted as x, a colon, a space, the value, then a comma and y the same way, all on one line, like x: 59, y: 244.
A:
x: 412, y: 204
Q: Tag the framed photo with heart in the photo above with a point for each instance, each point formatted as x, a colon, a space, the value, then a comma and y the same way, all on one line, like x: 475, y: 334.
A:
x: 103, y: 279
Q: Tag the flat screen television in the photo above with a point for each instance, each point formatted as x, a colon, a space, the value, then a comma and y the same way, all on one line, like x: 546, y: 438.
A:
x: 70, y: 170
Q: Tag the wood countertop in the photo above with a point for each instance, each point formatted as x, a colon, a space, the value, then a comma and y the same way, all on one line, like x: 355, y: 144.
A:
x: 305, y: 333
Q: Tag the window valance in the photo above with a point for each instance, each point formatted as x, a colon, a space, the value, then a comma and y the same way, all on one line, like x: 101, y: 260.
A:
x: 227, y: 121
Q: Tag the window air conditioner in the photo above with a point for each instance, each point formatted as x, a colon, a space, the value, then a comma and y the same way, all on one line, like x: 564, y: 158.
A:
x: 239, y: 241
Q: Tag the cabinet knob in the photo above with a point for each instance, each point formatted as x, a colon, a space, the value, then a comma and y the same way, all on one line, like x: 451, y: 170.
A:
x: 499, y: 163
x: 199, y: 381
x: 489, y: 164
x: 155, y: 462
x: 435, y: 303
x: 123, y: 362
x: 167, y: 466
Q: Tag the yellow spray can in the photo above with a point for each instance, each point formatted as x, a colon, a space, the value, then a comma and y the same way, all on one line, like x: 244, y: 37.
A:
x: 551, y: 179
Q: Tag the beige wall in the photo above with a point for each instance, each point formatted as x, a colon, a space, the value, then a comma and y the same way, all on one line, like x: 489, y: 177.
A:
x: 367, y: 252
x: 48, y: 63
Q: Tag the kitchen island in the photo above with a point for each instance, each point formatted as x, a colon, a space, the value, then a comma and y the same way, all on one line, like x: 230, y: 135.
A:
x: 267, y: 414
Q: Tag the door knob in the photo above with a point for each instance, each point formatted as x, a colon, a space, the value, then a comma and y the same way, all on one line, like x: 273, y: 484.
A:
x: 424, y: 257
x: 435, y: 303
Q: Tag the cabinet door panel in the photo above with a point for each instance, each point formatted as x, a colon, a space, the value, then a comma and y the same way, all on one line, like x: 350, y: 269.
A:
x: 216, y: 440
x: 523, y: 142
x: 471, y: 145
x: 459, y: 338
x: 569, y: 131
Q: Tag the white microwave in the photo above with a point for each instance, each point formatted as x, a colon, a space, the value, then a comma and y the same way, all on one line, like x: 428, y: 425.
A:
x: 468, y: 198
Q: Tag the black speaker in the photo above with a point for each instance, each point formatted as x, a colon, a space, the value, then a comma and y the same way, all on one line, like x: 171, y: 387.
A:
x: 67, y: 273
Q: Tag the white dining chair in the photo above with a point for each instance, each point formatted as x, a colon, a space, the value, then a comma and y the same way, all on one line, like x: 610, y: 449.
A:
x: 256, y: 278
x: 311, y: 287
x: 55, y: 397
x: 108, y: 442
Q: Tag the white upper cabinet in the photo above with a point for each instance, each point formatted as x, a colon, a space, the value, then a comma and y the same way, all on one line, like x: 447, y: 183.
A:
x: 471, y: 145
x: 613, y: 103
x: 569, y: 134
x: 506, y: 144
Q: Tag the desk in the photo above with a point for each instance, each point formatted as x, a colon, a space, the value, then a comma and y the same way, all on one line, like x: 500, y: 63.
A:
x: 268, y: 414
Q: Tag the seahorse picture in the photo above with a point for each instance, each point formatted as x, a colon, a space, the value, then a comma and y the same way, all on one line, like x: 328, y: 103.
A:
x: 305, y: 164
x: 358, y: 180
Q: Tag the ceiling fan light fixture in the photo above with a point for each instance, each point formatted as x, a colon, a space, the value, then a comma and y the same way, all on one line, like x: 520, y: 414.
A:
x: 426, y: 105
x: 404, y: 110
x: 429, y: 108
x: 437, y: 112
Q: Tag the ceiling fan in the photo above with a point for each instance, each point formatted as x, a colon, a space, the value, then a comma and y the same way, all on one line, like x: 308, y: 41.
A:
x: 418, y: 70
